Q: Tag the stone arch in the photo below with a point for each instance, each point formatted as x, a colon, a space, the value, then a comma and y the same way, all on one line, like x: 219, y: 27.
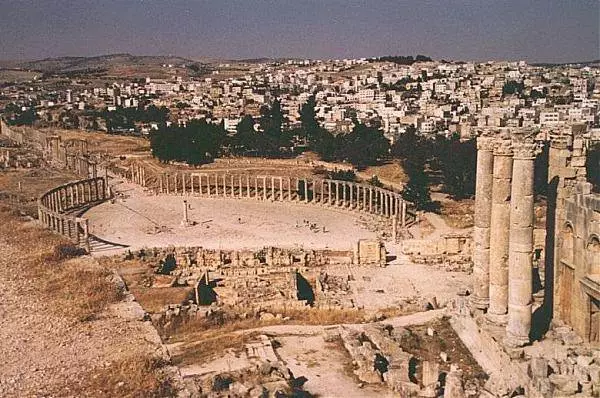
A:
x: 593, y: 254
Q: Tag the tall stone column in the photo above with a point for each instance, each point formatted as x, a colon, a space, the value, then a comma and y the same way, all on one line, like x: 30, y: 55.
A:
x: 281, y: 189
x: 483, y: 214
x: 520, y: 261
x: 350, y: 201
x: 499, y: 230
x: 306, y: 188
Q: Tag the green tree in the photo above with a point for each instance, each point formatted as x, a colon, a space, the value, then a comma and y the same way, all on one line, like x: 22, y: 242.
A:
x: 512, y: 87
x: 308, y: 119
x: 363, y: 146
x: 458, y: 163
x: 244, y: 139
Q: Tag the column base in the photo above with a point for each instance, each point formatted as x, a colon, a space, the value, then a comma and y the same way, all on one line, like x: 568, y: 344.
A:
x: 497, y: 319
x: 480, y: 303
x: 514, y: 341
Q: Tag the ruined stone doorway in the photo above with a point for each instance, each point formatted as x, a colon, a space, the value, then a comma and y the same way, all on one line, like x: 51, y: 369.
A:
x: 567, y: 279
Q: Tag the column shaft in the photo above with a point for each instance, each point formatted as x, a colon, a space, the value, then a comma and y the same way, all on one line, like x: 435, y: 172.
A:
x: 481, y: 231
x: 499, y: 232
x: 520, y: 262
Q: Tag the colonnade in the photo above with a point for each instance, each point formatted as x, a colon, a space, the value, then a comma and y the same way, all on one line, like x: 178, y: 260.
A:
x: 331, y: 193
x: 77, y: 160
x: 57, y: 208
x: 503, y: 234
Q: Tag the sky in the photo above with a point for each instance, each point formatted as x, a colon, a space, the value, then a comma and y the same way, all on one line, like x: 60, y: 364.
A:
x: 531, y: 30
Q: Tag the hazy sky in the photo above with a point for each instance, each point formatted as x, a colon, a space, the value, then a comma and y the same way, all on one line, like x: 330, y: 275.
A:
x: 542, y: 30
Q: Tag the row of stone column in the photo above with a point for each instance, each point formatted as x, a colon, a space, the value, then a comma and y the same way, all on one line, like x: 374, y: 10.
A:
x: 137, y: 174
x: 74, y: 228
x: 77, y: 162
x: 328, y: 192
x: 75, y: 194
x: 503, y: 233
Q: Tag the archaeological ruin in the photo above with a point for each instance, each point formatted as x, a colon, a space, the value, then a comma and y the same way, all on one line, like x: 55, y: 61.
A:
x: 520, y: 296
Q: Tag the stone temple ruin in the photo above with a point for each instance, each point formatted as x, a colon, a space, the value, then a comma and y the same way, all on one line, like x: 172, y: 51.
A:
x: 503, y: 234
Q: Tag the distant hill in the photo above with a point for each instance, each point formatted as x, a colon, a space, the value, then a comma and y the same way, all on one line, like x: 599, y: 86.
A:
x: 78, y: 64
x: 593, y: 63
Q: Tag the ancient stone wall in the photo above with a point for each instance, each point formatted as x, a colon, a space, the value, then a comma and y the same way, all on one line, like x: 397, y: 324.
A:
x: 578, y: 276
x: 267, y: 257
x: 449, y: 248
x: 11, y: 132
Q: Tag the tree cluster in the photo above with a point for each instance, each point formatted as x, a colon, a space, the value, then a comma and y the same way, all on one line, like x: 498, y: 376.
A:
x: 126, y: 118
x: 197, y: 143
x: 512, y: 87
x: 18, y: 116
x: 454, y: 160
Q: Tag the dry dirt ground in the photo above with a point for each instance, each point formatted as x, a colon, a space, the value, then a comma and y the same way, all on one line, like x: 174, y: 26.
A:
x: 65, y: 330
x: 221, y: 223
x: 33, y: 183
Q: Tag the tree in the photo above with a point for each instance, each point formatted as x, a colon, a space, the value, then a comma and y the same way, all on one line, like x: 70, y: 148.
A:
x: 375, y: 182
x: 342, y: 175
x: 363, y: 146
x: 512, y: 87
x: 245, y: 136
x: 199, y: 142
x: 414, y: 151
x: 458, y: 163
x: 271, y: 123
x: 416, y: 190
x: 308, y: 119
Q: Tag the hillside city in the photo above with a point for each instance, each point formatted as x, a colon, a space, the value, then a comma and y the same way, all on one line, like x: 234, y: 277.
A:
x: 392, y: 93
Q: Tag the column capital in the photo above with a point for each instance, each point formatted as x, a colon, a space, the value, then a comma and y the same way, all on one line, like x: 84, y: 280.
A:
x: 560, y: 141
x: 485, y: 143
x: 503, y: 145
x: 524, y: 146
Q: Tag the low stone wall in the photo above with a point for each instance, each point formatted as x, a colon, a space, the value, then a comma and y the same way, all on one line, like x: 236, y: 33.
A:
x: 58, y: 208
x: 365, y: 252
x: 454, y: 249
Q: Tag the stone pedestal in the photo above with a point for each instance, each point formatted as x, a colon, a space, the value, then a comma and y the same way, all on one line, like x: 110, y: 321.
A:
x: 520, y: 263
x: 483, y: 214
x: 499, y: 230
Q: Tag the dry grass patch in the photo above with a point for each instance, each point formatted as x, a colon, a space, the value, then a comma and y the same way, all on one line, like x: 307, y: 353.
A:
x: 34, y: 182
x: 155, y: 300
x: 458, y: 214
x: 78, y: 287
x: 211, y: 346
x: 129, y: 377
x: 319, y: 316
x: 391, y: 172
